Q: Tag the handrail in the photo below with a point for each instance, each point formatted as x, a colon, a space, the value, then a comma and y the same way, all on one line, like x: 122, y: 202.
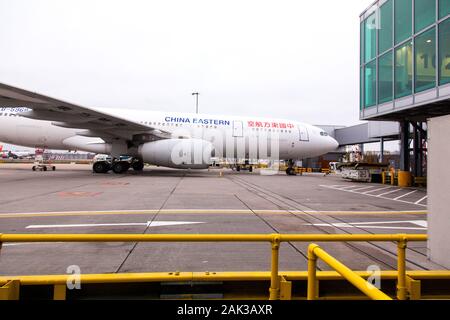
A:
x: 208, y: 237
x: 274, y: 239
x: 314, y: 252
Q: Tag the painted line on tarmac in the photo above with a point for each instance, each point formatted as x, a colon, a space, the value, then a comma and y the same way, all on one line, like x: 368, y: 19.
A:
x: 201, y: 211
x: 376, y: 190
x: 366, y: 212
x: 382, y: 195
x: 420, y: 200
x: 14, y: 244
x: 90, y: 225
x: 121, y: 212
x: 423, y: 225
x: 389, y: 192
x: 363, y: 188
x: 405, y: 195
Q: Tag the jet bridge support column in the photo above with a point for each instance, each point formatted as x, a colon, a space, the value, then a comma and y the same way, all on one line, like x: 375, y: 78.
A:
x: 381, y: 150
x: 404, y: 175
x: 438, y: 190
x: 419, y: 148
x: 404, y: 146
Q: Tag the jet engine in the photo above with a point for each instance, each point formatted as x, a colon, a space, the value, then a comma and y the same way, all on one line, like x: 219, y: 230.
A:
x: 89, y: 144
x: 178, y: 153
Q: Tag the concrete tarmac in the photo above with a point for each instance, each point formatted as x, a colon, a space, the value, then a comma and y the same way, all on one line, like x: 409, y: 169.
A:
x: 72, y: 199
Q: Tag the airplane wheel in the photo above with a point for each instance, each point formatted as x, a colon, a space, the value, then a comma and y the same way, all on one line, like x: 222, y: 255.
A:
x: 138, y: 165
x: 238, y: 168
x: 44, y: 168
x: 120, y: 167
x: 290, y: 172
x: 53, y: 168
x: 250, y: 169
x: 100, y: 167
x: 34, y: 168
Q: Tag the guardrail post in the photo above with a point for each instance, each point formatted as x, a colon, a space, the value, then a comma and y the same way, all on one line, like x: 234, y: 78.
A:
x: 59, y: 292
x: 414, y: 288
x: 312, y: 267
x: 274, y: 278
x: 285, y: 289
x: 401, y: 269
x: 10, y: 291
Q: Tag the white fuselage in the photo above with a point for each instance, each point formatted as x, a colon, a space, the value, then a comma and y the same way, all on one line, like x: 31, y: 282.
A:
x: 232, y: 137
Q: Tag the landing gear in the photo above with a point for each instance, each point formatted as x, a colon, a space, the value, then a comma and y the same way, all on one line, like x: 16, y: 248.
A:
x: 120, y: 167
x: 290, y: 171
x: 101, y: 167
x: 43, y: 167
x: 138, y: 164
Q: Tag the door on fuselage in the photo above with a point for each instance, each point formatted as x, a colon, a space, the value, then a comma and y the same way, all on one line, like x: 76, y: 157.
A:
x: 238, y: 129
x: 303, y: 133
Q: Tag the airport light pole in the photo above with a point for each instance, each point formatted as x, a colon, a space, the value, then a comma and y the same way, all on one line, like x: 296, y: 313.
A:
x: 196, y: 100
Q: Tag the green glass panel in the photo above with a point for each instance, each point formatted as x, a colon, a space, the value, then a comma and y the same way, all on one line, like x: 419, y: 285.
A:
x: 444, y: 52
x: 444, y: 8
x: 370, y: 38
x: 425, y: 61
x: 403, y: 70
x: 370, y: 83
x: 361, y: 43
x: 361, y: 88
x: 425, y: 13
x: 385, y: 32
x: 403, y: 20
x: 385, y: 78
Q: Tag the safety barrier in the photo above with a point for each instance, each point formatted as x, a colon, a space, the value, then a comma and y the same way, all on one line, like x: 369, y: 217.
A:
x: 314, y: 252
x: 276, y: 280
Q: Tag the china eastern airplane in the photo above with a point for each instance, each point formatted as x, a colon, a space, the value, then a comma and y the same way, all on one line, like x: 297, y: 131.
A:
x: 176, y: 140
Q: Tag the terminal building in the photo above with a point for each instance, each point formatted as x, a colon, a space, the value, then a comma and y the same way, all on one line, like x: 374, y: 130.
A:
x: 405, y: 77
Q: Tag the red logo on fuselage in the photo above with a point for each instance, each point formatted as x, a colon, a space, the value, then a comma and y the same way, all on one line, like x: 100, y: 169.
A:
x: 265, y: 124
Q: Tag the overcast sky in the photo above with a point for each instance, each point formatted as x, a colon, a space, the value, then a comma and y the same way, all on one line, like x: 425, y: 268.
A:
x: 291, y: 59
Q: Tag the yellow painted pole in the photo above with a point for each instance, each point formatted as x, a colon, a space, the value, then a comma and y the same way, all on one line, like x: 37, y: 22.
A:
x: 312, y: 276
x: 350, y: 237
x: 401, y: 269
x: 274, y: 278
x: 212, y: 276
x: 135, y: 237
x: 367, y: 288
x: 206, y: 237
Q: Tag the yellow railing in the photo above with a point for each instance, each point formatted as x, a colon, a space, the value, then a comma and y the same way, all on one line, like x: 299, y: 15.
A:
x: 274, y: 239
x: 314, y: 252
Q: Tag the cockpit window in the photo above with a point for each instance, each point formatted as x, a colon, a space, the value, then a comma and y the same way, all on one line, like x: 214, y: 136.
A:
x: 323, y: 133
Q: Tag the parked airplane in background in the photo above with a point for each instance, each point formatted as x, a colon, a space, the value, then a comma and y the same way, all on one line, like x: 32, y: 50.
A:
x: 177, y: 140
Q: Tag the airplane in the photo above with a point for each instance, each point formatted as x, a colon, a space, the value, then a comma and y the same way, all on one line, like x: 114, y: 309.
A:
x: 168, y: 139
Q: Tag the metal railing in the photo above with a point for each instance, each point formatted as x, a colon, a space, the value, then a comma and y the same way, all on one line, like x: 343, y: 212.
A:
x: 314, y: 252
x: 274, y: 239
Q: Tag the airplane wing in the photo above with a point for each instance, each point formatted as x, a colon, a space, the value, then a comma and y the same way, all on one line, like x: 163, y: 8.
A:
x: 68, y: 115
